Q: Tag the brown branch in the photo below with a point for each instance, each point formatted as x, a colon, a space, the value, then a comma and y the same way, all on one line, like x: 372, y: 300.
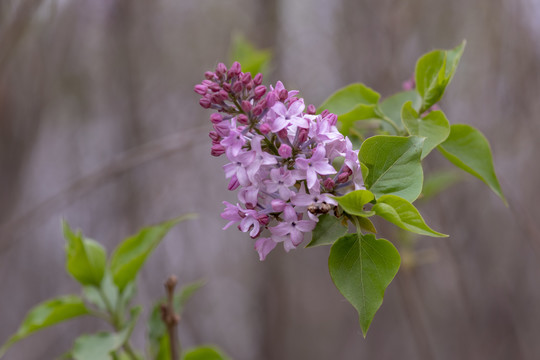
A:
x: 170, y: 318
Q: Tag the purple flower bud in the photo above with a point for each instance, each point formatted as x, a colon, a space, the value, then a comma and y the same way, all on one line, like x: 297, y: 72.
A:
x: 285, y: 151
x: 332, y: 119
x: 257, y: 80
x: 205, y: 102
x: 264, y: 128
x: 311, y: 110
x: 214, y: 87
x: 242, y: 119
x: 259, y: 91
x: 246, y: 78
x: 216, y: 118
x: 263, y: 219
x: 209, y: 75
x: 249, y: 86
x: 214, y: 136
x: 283, y: 95
x: 325, y: 113
x: 221, y: 69
x: 278, y: 205
x: 237, y: 87
x: 342, y: 178
x: 282, y: 133
x: 217, y: 150
x: 235, y: 69
x: 226, y: 87
x: 302, y: 135
x: 257, y: 110
x: 271, y: 99
x: 233, y: 184
x: 207, y: 83
x: 224, y: 95
x: 222, y: 128
x: 246, y: 106
x: 217, y: 99
x: 329, y: 183
x: 200, y: 89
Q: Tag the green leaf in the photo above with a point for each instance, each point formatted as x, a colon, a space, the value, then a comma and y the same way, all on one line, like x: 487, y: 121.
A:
x: 205, y: 353
x: 392, y: 105
x: 437, y: 182
x: 434, y: 71
x: 130, y: 255
x: 185, y: 293
x: 328, y: 230
x: 366, y: 224
x: 351, y: 103
x: 469, y: 150
x: 402, y: 213
x: 394, y: 165
x: 252, y: 60
x: 434, y: 127
x: 85, y: 258
x: 46, y: 314
x: 353, y: 203
x: 362, y: 267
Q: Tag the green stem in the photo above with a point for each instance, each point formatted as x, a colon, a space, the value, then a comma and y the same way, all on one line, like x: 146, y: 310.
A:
x: 357, y: 224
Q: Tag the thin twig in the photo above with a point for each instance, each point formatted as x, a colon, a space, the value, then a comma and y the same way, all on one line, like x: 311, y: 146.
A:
x: 170, y: 318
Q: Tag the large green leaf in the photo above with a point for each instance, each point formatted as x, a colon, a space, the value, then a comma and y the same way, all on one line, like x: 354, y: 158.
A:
x: 392, y: 105
x: 469, y: 150
x: 205, y: 353
x: 362, y: 267
x: 253, y: 60
x: 434, y: 71
x: 85, y: 259
x: 402, y: 213
x: 130, y: 255
x: 434, y: 127
x: 328, y: 230
x: 394, y: 165
x: 353, y: 202
x: 351, y: 103
x: 47, y: 314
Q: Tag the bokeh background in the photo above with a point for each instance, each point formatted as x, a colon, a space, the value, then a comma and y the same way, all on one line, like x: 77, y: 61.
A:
x: 99, y: 124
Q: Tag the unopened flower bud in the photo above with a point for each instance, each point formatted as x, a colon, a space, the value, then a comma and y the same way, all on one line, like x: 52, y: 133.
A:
x: 264, y: 128
x: 235, y: 69
x: 329, y: 183
x: 325, y: 113
x: 221, y: 69
x: 233, y: 184
x: 283, y: 95
x: 282, y: 133
x: 205, y: 102
x: 271, y: 99
x: 226, y: 87
x: 242, y: 119
x: 311, y: 110
x: 246, y: 106
x: 278, y: 205
x: 259, y: 91
x: 257, y: 80
x: 217, y: 150
x: 302, y: 135
x: 237, y: 87
x: 209, y: 75
x: 246, y: 78
x: 332, y: 119
x: 217, y: 99
x: 200, y: 89
x: 214, y: 136
x: 224, y: 95
x: 214, y: 87
x: 257, y: 110
x: 216, y: 118
x: 285, y: 151
x: 222, y: 129
x: 263, y: 219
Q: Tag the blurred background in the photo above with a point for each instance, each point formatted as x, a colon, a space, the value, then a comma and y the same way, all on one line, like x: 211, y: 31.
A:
x: 99, y: 124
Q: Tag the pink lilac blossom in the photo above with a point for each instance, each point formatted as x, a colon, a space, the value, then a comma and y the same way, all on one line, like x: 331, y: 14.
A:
x: 281, y: 155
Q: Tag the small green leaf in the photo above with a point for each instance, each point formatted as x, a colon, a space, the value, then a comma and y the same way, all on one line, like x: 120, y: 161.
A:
x: 434, y: 127
x: 366, y: 224
x: 394, y: 165
x: 392, y: 105
x: 469, y: 150
x: 402, y: 213
x: 252, y: 60
x: 328, y: 230
x: 85, y: 258
x: 353, y: 203
x: 362, y: 267
x: 434, y: 71
x: 130, y: 255
x: 47, y: 314
x: 205, y: 353
x: 351, y: 103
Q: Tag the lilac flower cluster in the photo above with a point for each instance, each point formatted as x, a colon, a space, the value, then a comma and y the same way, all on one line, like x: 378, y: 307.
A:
x: 285, y: 160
